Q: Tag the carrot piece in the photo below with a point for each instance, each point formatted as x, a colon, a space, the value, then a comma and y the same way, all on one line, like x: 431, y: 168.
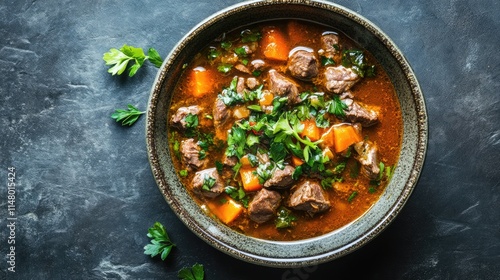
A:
x: 310, y: 130
x: 344, y: 136
x: 241, y: 112
x: 327, y: 139
x: 250, y: 180
x: 201, y: 82
x: 267, y: 98
x: 296, y: 161
x: 245, y: 161
x: 274, y: 44
x: 227, y: 211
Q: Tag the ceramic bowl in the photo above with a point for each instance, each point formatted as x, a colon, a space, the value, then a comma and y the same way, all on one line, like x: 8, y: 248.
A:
x: 322, y: 248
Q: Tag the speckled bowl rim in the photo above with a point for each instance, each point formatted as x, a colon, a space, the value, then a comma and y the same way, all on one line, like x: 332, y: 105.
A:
x: 314, y: 250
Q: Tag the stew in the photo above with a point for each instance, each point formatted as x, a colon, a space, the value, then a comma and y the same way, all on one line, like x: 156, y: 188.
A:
x: 284, y: 130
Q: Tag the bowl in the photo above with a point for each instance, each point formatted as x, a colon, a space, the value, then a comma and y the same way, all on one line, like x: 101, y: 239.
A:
x: 328, y: 246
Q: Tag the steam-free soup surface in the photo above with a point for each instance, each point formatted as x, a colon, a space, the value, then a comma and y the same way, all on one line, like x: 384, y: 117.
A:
x: 284, y: 130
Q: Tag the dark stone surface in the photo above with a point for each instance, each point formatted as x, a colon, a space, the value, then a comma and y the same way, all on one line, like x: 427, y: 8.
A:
x: 85, y: 193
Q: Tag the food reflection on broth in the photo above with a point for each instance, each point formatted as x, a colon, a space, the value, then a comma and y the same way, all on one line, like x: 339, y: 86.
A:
x: 284, y: 130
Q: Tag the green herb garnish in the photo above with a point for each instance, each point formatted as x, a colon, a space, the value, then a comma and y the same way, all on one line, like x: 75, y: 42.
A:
x: 285, y: 218
x: 120, y: 58
x: 352, y: 196
x: 127, y: 116
x: 196, y: 272
x: 160, y: 242
x: 208, y: 183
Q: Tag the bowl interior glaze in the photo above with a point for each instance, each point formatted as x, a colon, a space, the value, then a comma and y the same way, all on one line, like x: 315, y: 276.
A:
x: 322, y: 248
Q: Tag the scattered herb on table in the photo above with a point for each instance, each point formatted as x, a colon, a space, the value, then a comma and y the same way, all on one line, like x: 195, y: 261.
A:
x: 127, y: 116
x: 160, y: 242
x: 120, y: 58
x: 196, y: 272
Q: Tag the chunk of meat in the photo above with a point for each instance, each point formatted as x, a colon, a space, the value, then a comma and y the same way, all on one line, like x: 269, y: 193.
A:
x: 339, y: 79
x: 281, y: 178
x: 330, y: 43
x: 179, y: 118
x: 229, y: 161
x: 358, y: 113
x: 240, y: 85
x: 220, y: 112
x: 282, y: 86
x: 368, y: 157
x: 208, y: 183
x: 308, y: 196
x: 190, y: 154
x: 303, y: 65
x: 263, y: 205
x: 252, y: 83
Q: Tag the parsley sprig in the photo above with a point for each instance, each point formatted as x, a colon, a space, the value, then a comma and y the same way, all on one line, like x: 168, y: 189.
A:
x: 119, y: 59
x: 196, y: 272
x: 127, y: 116
x: 160, y: 242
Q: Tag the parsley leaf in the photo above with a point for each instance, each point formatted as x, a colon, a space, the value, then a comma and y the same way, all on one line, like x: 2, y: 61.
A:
x: 327, y: 61
x: 191, y: 120
x: 285, y: 218
x: 208, y: 183
x: 236, y: 141
x: 224, y: 68
x: 196, y: 272
x: 120, y: 58
x: 250, y: 36
x: 160, y: 242
x: 336, y: 106
x: 355, y: 59
x: 238, y: 195
x: 229, y: 95
x: 127, y: 116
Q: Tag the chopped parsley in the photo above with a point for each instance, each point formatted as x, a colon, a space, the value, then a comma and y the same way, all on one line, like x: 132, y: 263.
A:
x: 285, y: 219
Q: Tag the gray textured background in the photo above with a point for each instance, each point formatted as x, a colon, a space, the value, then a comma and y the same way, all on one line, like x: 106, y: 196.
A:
x: 85, y: 193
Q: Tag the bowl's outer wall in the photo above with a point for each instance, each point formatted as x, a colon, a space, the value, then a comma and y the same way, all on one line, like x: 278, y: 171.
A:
x: 315, y: 250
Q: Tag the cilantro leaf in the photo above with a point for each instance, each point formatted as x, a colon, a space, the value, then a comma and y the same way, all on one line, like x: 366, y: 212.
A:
x: 160, y: 242
x: 196, y: 272
x: 127, y: 116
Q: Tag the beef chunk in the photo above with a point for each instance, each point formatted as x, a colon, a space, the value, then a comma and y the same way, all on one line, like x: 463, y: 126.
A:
x: 282, y: 86
x: 240, y: 86
x: 242, y: 68
x: 281, y: 178
x: 308, y: 196
x: 303, y: 65
x: 178, y: 119
x: 368, y: 157
x: 339, y: 79
x: 330, y: 43
x: 208, y: 183
x: 190, y: 154
x: 220, y: 112
x: 263, y: 206
x: 252, y: 83
x: 357, y: 112
x: 229, y: 161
